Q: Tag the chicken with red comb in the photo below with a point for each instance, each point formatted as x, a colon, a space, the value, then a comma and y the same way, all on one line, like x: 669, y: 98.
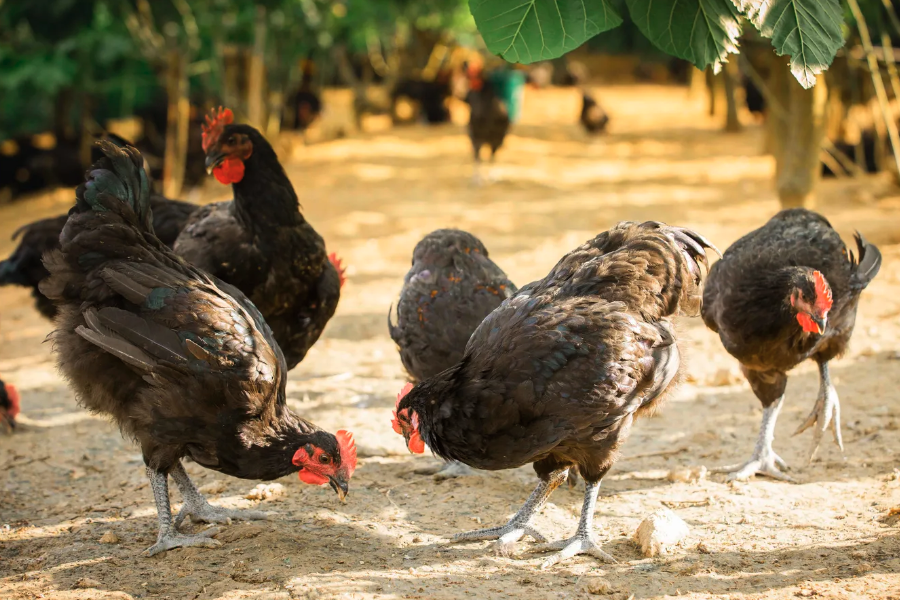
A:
x: 558, y: 373
x: 782, y: 294
x: 260, y: 242
x: 182, y: 361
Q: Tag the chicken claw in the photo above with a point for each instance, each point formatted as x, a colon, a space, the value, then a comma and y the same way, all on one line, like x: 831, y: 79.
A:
x: 764, y: 460
x: 826, y: 414
x: 198, y: 507
x: 207, y: 513
x: 169, y: 542
x: 761, y: 463
x: 519, y: 526
x: 506, y: 536
x: 580, y: 544
x: 583, y: 541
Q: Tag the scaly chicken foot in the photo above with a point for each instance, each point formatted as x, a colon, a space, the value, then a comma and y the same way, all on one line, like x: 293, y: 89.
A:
x: 198, y: 508
x: 519, y: 526
x: 583, y: 541
x: 764, y: 460
x: 168, y: 537
x: 826, y: 414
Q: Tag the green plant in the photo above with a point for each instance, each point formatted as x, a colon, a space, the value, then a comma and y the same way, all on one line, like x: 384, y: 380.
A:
x: 703, y: 32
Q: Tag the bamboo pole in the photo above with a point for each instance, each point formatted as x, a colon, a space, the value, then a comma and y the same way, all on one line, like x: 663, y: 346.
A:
x: 892, y: 16
x: 877, y: 81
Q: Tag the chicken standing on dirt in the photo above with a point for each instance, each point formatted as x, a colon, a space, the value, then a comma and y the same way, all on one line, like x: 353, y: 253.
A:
x: 25, y: 268
x: 782, y: 294
x: 488, y: 118
x: 260, y: 242
x: 556, y: 375
x: 183, y: 362
x: 452, y: 286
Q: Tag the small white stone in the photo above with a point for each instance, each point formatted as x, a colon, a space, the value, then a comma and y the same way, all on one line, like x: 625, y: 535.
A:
x: 266, y: 491
x: 687, y: 474
x: 109, y: 537
x: 213, y: 487
x: 660, y: 532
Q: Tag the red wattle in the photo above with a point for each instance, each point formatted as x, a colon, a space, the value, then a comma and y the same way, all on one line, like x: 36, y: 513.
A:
x: 416, y: 444
x: 307, y: 476
x: 807, y: 323
x: 230, y: 170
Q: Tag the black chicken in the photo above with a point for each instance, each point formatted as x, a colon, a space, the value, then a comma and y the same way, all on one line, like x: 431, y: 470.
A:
x: 25, y: 268
x: 183, y: 362
x: 260, y: 242
x: 784, y: 293
x: 556, y: 375
x: 593, y: 118
x: 452, y: 286
x: 488, y: 118
x: 9, y: 405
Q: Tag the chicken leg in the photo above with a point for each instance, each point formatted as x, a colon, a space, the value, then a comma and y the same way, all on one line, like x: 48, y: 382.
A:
x: 583, y: 542
x: 520, y: 525
x: 825, y: 414
x: 198, y: 508
x: 168, y: 537
x: 763, y: 461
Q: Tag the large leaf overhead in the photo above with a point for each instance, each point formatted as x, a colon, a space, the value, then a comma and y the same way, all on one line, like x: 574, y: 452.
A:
x: 525, y: 31
x: 807, y: 30
x: 703, y: 32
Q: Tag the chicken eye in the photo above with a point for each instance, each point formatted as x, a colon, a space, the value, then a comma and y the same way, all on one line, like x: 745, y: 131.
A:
x: 324, y: 459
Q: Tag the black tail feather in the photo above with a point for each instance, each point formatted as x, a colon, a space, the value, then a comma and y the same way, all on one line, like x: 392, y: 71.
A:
x: 869, y: 263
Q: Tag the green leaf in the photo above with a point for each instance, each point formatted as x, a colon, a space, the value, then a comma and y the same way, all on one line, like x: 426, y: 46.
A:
x: 526, y: 31
x: 754, y: 10
x: 807, y: 30
x: 700, y: 31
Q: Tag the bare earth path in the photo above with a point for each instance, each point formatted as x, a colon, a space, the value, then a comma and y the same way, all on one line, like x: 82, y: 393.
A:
x: 68, y: 478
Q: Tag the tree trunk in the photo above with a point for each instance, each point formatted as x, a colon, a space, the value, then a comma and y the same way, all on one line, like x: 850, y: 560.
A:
x: 177, y: 123
x: 775, y: 122
x: 801, y: 140
x: 697, y: 83
x: 711, y: 91
x: 276, y: 110
x: 232, y: 66
x: 730, y: 74
x: 256, y: 105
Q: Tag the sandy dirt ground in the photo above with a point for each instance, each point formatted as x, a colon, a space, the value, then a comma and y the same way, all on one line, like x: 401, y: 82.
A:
x: 76, y: 510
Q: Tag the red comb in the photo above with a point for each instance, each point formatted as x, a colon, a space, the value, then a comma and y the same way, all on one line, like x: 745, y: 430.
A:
x: 333, y: 257
x: 403, y: 392
x: 216, y: 121
x: 823, y: 293
x: 13, y: 396
x: 348, y: 450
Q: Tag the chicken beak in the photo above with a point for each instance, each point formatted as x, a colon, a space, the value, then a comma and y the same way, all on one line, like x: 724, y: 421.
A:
x: 213, y: 160
x: 340, y: 486
x: 820, y: 323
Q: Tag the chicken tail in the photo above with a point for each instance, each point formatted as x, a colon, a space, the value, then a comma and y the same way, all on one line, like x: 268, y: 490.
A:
x: 119, y: 184
x: 868, y: 265
x: 692, y: 247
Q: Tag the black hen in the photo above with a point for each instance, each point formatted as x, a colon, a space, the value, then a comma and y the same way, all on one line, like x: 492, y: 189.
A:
x: 183, y: 362
x: 593, y: 118
x: 452, y: 286
x: 260, y: 242
x: 488, y: 118
x: 782, y: 294
x: 24, y: 266
x: 556, y: 375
